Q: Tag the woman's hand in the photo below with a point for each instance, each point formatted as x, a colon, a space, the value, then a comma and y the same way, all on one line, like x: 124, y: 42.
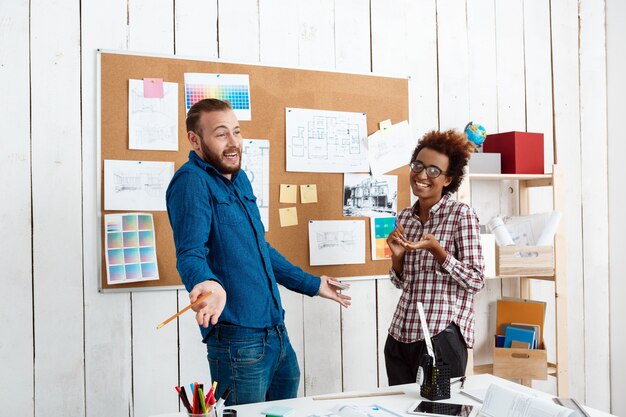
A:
x: 396, y: 240
x: 429, y: 243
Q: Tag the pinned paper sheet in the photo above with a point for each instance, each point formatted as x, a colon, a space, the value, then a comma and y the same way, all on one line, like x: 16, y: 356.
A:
x: 153, y: 87
x: 385, y: 126
x: 308, y: 193
x: 288, y: 216
x: 288, y: 193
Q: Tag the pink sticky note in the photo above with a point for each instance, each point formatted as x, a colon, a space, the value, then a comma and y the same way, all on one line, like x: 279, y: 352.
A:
x: 153, y: 87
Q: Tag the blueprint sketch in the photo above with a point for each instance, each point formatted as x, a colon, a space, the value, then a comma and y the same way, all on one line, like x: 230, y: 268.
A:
x: 255, y: 161
x: 325, y: 141
x: 392, y: 149
x: 152, y: 122
x: 136, y: 185
x: 336, y: 242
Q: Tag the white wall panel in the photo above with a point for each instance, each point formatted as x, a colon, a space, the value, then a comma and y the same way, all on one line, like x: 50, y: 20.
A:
x: 150, y: 27
x: 238, y: 23
x: 387, y: 297
x: 316, y: 44
x: 359, y: 338
x: 594, y: 188
x: 352, y: 35
x: 16, y: 330
x: 616, y: 91
x: 193, y: 364
x: 294, y: 322
x: 278, y: 32
x: 108, y: 370
x: 57, y: 228
x: 565, y: 78
x: 195, y: 28
x: 453, y: 65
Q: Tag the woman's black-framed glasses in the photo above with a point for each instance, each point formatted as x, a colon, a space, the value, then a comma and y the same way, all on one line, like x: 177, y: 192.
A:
x: 431, y: 170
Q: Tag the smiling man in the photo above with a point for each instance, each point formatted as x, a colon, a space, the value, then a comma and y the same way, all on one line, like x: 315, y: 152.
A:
x: 221, y: 248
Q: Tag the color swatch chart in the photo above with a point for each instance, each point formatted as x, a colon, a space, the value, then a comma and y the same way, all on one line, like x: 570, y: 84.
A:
x: 234, y: 88
x: 381, y: 227
x: 130, y: 248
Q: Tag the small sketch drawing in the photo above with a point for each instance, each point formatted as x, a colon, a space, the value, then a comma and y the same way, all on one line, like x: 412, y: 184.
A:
x: 136, y: 185
x: 153, y: 122
x: 336, y: 239
x: 255, y: 161
x: 151, y: 183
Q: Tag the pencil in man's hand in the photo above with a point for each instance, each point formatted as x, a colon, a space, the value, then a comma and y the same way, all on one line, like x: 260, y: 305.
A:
x: 198, y: 301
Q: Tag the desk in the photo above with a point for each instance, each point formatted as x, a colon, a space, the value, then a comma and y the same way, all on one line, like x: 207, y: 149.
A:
x: 306, y: 406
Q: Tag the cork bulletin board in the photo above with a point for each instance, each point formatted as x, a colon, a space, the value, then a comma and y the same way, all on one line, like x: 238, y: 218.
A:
x: 272, y: 89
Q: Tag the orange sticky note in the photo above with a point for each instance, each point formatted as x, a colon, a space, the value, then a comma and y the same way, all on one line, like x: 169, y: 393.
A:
x: 288, y: 193
x: 288, y: 216
x: 153, y: 87
x: 308, y: 193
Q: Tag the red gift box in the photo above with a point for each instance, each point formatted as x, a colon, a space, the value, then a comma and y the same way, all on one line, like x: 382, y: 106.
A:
x: 521, y: 152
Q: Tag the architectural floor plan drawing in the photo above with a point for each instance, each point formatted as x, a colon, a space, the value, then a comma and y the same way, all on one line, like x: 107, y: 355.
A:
x: 255, y: 161
x: 325, y: 141
x: 136, y: 185
x: 336, y: 242
x: 152, y: 122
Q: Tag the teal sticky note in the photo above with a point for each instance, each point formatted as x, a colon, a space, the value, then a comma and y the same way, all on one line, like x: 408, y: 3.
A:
x: 277, y: 411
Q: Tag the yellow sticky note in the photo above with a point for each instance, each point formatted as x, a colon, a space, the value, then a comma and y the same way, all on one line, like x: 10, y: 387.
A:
x: 288, y: 216
x: 288, y: 193
x: 308, y: 193
x: 385, y: 126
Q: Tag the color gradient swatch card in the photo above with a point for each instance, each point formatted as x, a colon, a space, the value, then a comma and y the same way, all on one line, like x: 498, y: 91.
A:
x: 130, y: 248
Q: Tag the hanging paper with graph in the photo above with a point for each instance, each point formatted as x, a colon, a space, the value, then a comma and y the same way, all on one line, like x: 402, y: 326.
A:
x: 234, y: 88
x: 130, y: 248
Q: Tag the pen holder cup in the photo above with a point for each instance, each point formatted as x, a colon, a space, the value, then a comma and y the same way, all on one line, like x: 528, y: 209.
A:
x: 436, y: 384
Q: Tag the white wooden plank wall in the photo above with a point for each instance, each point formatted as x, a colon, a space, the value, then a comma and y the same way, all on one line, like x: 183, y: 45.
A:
x: 616, y: 68
x: 518, y: 67
x: 16, y: 280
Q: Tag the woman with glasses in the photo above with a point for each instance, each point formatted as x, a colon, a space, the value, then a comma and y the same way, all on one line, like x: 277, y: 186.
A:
x: 436, y: 260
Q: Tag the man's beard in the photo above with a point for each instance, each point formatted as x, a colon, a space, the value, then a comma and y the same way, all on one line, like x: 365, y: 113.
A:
x: 216, y: 160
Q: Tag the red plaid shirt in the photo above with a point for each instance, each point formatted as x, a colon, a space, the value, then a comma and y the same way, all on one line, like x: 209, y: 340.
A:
x: 446, y: 291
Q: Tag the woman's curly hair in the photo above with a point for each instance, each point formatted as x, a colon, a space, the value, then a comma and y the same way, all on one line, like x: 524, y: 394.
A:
x: 455, y: 146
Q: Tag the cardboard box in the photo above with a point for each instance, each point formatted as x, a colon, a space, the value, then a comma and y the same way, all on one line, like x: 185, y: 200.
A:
x: 521, y: 152
x: 525, y: 261
x: 484, y: 163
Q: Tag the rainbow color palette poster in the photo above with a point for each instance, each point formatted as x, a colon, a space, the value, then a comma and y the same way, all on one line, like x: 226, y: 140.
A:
x: 234, y: 88
x: 130, y: 248
x: 381, y: 227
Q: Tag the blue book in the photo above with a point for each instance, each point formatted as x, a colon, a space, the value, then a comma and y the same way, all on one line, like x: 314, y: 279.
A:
x: 521, y: 335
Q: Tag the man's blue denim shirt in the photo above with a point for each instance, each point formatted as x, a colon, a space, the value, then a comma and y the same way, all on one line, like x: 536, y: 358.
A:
x: 219, y: 236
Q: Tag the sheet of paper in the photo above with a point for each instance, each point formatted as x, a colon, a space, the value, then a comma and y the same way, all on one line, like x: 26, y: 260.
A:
x: 255, y: 161
x: 336, y: 242
x: 130, y: 248
x: 152, y: 122
x: 136, y: 185
x: 234, y: 88
x: 390, y: 151
x: 370, y: 196
x: 503, y: 402
x: 308, y: 193
x: 288, y: 193
x: 288, y: 216
x: 325, y: 141
x: 385, y: 126
x: 380, y: 228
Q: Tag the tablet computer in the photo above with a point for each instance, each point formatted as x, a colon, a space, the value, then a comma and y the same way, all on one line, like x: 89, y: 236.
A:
x: 438, y: 409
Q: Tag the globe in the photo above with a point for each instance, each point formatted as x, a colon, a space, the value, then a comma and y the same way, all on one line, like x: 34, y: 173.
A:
x: 475, y: 133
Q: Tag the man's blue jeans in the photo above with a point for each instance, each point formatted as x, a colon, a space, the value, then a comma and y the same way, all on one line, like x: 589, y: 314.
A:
x: 258, y: 364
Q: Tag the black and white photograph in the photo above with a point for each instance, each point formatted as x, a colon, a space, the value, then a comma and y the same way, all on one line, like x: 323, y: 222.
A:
x: 365, y: 195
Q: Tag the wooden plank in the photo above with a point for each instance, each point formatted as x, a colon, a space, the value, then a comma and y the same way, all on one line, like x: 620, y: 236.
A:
x: 510, y: 62
x: 358, y: 336
x: 322, y: 341
x: 56, y: 207
x: 389, y: 29
x: 616, y: 88
x: 293, y: 304
x: 155, y: 353
x: 16, y: 304
x: 193, y: 364
x: 238, y: 30
x: 316, y: 45
x: 594, y: 184
x: 278, y: 32
x: 150, y: 27
x: 352, y: 35
x: 387, y: 299
x: 108, y: 370
x: 192, y: 38
x: 485, y: 325
x: 565, y: 75
x: 453, y: 65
